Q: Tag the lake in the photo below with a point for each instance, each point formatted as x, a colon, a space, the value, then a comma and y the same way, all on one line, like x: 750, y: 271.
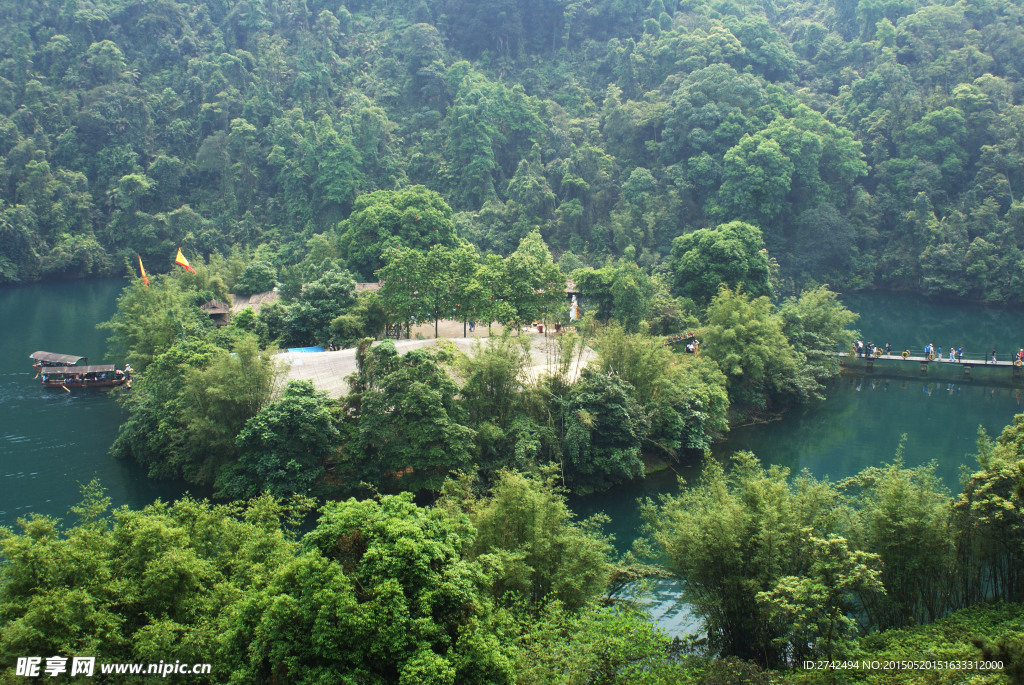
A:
x: 51, y: 441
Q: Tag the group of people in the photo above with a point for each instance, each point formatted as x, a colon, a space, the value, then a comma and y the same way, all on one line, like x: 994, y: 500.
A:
x: 930, y: 351
x: 870, y: 349
x: 933, y: 352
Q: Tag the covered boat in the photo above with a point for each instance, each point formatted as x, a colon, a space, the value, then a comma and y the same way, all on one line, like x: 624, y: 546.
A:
x: 41, y: 359
x: 99, y: 376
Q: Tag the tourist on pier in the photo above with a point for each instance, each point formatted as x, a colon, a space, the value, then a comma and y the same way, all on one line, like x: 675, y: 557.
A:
x: 952, y: 353
x: 938, y: 354
x: 959, y: 354
x: 927, y: 350
x: 887, y: 349
x: 993, y: 355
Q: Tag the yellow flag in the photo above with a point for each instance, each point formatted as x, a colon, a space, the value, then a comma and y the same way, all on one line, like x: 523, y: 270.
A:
x: 180, y: 259
x: 142, y: 270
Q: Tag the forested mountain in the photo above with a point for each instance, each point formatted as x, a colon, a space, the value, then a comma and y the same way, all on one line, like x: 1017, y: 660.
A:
x: 878, y: 142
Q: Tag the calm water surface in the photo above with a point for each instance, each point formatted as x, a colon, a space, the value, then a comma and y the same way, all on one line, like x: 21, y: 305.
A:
x: 51, y: 441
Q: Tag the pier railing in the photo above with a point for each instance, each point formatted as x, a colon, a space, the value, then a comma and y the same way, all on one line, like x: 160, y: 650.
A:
x: 869, y: 360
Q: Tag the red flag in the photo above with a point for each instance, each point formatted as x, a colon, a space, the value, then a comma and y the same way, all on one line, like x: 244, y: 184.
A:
x: 145, y: 278
x: 180, y: 260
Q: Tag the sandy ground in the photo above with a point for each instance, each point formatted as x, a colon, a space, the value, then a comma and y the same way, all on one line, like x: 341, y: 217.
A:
x: 328, y: 370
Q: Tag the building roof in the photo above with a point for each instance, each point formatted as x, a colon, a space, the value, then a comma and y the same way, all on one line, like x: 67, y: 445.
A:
x: 240, y: 302
x: 216, y: 307
x: 54, y: 358
x: 360, y: 287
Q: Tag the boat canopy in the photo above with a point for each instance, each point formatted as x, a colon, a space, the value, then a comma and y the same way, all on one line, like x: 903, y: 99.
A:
x: 67, y: 370
x: 54, y: 358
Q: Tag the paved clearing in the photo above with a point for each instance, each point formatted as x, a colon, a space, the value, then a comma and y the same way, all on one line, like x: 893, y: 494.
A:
x: 328, y: 370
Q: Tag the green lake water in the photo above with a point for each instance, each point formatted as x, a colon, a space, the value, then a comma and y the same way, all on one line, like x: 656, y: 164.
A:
x: 52, y: 441
x: 864, y: 416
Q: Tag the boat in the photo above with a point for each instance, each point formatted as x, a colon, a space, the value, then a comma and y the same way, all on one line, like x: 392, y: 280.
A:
x: 98, y: 376
x: 42, y: 359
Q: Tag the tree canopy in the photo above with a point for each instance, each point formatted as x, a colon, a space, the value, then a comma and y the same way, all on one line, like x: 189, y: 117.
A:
x: 872, y: 144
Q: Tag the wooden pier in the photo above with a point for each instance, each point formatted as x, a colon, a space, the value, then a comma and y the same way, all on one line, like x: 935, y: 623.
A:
x: 966, y: 364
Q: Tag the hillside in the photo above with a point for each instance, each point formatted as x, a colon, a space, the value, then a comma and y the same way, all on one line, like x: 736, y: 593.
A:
x: 875, y: 143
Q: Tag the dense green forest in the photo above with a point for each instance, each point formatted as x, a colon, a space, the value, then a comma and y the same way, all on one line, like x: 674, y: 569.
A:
x: 877, y: 142
x: 698, y: 170
x: 503, y: 585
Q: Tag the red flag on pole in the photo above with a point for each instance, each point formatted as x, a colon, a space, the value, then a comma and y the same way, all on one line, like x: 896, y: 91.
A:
x: 181, y: 261
x: 142, y: 270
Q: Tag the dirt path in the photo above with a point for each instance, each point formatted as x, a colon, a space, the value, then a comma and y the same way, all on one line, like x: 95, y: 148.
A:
x: 328, y: 370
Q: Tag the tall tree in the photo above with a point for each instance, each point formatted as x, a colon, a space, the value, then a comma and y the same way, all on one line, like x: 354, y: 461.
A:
x: 283, y: 449
x: 414, y: 217
x: 731, y: 254
x: 411, y: 430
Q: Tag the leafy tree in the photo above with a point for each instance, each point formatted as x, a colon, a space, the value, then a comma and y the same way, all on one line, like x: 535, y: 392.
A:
x: 318, y: 304
x: 362, y: 601
x: 366, y: 318
x: 411, y: 431
x: 746, y: 339
x: 185, y: 411
x: 258, y: 277
x: 539, y: 554
x: 817, y: 325
x: 734, y: 535
x: 987, y: 521
x: 530, y: 286
x: 400, y: 283
x: 490, y: 128
x: 414, y: 217
x: 284, y: 447
x: 621, y: 291
x: 157, y: 583
x: 815, y: 610
x: 684, y: 397
x: 152, y: 319
x: 603, y: 428
x: 446, y: 283
x: 497, y: 398
x: 731, y: 254
x: 611, y: 645
x: 903, y: 517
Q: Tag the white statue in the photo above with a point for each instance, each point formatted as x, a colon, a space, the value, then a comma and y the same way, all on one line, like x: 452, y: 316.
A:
x: 574, y: 310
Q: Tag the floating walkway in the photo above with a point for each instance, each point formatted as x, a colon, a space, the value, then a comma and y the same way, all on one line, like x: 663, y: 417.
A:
x: 847, y: 359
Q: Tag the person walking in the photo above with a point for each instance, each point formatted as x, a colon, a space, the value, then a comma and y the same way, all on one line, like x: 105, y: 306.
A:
x: 959, y: 354
x: 993, y: 355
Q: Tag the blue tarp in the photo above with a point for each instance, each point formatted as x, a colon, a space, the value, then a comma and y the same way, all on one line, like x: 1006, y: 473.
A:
x: 315, y: 348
